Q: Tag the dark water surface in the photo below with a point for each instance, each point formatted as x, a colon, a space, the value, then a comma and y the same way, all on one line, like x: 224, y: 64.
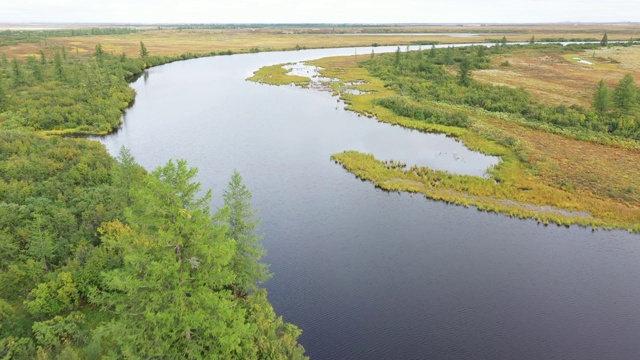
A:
x: 374, y: 275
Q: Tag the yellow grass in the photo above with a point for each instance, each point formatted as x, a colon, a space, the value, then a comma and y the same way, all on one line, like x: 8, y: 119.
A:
x: 544, y: 176
x: 277, y: 75
x: 559, y: 79
x: 203, y: 41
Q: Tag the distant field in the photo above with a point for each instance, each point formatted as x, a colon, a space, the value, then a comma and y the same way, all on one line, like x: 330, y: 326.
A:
x: 178, y: 41
x: 558, y: 79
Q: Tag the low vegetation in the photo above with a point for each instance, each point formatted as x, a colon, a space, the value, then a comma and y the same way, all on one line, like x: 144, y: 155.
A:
x: 278, y: 75
x: 561, y: 164
x: 243, y: 38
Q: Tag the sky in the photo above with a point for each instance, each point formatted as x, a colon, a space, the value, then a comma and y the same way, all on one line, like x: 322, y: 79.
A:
x: 322, y: 11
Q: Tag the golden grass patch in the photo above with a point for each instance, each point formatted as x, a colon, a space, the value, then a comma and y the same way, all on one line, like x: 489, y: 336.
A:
x: 542, y: 176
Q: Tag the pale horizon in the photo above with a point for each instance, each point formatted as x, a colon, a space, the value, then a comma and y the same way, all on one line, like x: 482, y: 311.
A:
x: 326, y: 12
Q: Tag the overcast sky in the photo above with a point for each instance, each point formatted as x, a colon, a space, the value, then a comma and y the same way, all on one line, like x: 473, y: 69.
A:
x: 319, y: 11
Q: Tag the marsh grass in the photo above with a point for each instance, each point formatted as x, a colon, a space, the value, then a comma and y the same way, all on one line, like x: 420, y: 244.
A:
x: 549, y: 177
x: 277, y: 75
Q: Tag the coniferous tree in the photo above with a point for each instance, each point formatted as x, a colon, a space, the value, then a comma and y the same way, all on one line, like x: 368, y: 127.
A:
x: 605, y: 40
x: 99, y: 54
x: 464, y: 74
x: 242, y: 223
x: 3, y: 98
x: 18, y: 75
x: 36, y: 69
x: 169, y: 296
x: 625, y: 95
x: 481, y: 52
x: 144, y: 53
x: 59, y: 68
x: 601, y: 99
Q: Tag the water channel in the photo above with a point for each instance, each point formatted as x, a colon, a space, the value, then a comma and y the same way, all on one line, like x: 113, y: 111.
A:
x: 373, y: 275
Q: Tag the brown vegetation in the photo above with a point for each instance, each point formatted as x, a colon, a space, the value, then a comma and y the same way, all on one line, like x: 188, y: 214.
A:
x: 172, y: 41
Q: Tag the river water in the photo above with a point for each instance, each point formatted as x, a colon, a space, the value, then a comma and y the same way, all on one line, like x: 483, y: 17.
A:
x: 374, y: 275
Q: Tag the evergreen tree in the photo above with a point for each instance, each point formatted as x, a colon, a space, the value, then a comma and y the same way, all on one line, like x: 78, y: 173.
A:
x: 169, y: 296
x: 448, y: 56
x: 99, y: 54
x: 18, y: 75
x: 601, y: 99
x: 532, y: 41
x: 59, y: 68
x: 481, y: 52
x: 144, y: 53
x: 625, y: 95
x: 40, y: 242
x: 605, y: 40
x: 3, y: 98
x: 242, y: 223
x: 432, y: 52
x: 43, y: 58
x: 464, y: 74
x: 397, y: 61
x: 36, y: 68
x: 503, y: 41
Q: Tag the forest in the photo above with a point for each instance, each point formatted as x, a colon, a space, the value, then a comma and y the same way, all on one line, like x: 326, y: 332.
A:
x: 100, y: 258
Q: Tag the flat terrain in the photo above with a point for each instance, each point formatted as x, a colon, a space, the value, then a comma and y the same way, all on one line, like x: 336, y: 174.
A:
x: 563, y: 79
x: 555, y: 79
x: 544, y: 175
x: 173, y: 41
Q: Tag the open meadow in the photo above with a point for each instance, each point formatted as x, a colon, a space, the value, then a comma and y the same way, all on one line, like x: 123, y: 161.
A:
x: 175, y: 41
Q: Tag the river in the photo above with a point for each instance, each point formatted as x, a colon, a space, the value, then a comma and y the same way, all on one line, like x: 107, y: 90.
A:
x: 374, y: 275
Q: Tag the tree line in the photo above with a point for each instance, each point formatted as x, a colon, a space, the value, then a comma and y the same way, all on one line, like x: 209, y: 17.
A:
x: 445, y: 75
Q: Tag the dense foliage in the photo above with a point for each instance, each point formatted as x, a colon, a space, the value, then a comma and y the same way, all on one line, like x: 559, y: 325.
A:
x: 63, y: 94
x: 444, y: 75
x: 100, y: 259
x: 71, y: 94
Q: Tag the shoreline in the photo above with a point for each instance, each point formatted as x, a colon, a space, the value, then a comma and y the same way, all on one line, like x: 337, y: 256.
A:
x: 493, y: 195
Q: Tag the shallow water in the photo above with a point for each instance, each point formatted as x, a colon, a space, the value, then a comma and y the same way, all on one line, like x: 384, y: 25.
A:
x: 373, y: 275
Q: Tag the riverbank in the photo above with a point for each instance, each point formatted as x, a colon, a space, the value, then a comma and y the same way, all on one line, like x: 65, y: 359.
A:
x: 542, y: 175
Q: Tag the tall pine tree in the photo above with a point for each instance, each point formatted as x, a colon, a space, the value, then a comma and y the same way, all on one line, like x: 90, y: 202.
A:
x: 242, y: 223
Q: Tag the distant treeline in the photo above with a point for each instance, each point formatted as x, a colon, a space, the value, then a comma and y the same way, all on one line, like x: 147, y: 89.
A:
x: 14, y: 37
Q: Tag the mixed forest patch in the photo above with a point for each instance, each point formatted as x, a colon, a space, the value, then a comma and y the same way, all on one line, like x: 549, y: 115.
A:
x: 100, y: 258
